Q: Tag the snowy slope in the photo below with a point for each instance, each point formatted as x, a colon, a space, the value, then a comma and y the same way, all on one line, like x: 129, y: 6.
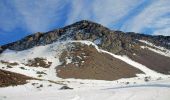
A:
x: 158, y: 87
x: 51, y: 53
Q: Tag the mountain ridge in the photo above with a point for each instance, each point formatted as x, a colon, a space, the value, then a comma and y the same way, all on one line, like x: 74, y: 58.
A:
x: 85, y: 25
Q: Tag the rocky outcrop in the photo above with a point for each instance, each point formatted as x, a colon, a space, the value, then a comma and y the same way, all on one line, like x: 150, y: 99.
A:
x: 38, y: 62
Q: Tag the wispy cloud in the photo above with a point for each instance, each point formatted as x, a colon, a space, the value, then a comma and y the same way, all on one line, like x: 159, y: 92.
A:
x: 153, y: 19
x: 109, y: 12
x: 79, y: 10
x: 39, y: 14
x: 34, y: 15
x: 8, y: 19
x: 106, y: 12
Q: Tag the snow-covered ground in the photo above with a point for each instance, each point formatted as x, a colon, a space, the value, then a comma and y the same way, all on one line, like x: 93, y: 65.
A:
x: 49, y: 52
x: 90, y: 90
x: 49, y: 88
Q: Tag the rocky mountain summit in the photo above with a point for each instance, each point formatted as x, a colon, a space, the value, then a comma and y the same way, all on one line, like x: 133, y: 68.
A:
x: 113, y: 41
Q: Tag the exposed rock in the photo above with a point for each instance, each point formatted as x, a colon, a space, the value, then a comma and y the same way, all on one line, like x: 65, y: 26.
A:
x: 30, y: 39
x: 65, y: 88
x: 38, y: 62
x: 37, y: 35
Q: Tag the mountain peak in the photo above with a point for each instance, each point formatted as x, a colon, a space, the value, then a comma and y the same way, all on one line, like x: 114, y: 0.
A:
x: 86, y: 22
x: 115, y: 41
x: 83, y: 24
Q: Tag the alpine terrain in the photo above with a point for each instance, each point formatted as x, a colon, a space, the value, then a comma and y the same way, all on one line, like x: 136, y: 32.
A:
x: 86, y: 61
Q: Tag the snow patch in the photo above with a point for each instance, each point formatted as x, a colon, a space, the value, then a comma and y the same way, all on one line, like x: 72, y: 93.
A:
x: 68, y: 60
x: 160, y: 50
x: 98, y: 41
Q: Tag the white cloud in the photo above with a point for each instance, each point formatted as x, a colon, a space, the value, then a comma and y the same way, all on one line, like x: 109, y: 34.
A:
x: 154, y: 17
x: 108, y: 12
x: 105, y: 12
x: 30, y: 15
x: 163, y: 31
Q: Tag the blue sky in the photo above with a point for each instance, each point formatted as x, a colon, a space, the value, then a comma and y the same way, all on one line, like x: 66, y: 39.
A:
x: 19, y: 18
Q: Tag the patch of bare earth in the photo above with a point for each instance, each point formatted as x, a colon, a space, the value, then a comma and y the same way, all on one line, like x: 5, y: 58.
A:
x: 39, y: 62
x: 12, y: 79
x: 85, y: 62
x: 152, y: 60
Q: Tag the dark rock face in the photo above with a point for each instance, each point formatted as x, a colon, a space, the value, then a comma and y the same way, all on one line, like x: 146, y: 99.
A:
x: 158, y: 40
x: 113, y: 41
